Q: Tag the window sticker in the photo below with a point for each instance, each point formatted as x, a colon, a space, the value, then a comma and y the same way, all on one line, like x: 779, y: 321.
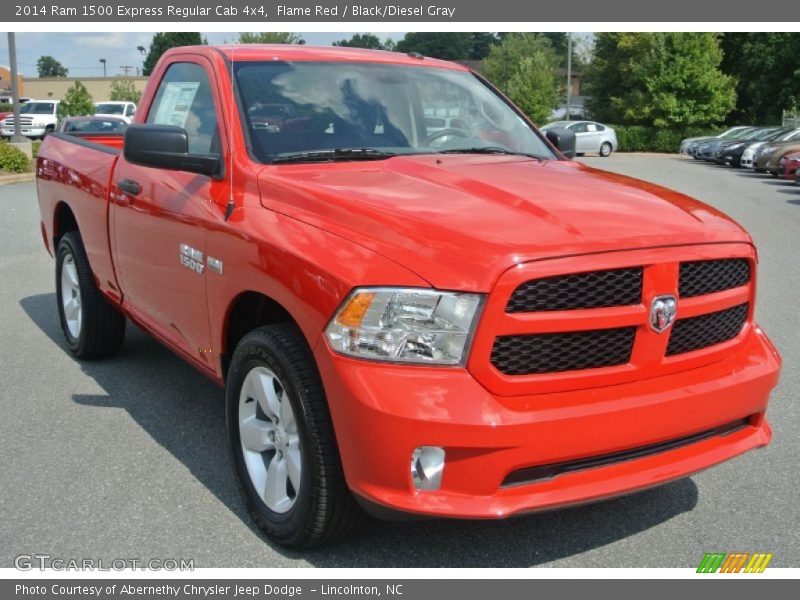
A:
x: 176, y: 103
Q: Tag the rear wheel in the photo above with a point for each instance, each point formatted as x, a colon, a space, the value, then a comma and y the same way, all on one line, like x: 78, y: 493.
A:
x: 92, y: 327
x: 605, y: 149
x: 282, y: 441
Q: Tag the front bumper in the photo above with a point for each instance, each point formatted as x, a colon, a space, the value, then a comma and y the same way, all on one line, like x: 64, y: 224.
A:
x: 731, y: 158
x: 26, y: 131
x: 382, y: 412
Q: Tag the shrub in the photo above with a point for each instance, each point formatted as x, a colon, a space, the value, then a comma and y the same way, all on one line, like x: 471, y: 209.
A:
x: 35, y: 148
x: 5, y: 107
x: 13, y: 159
x: 76, y: 102
x: 640, y: 138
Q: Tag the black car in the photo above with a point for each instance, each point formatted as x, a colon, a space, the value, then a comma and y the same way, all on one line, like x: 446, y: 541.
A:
x: 730, y: 153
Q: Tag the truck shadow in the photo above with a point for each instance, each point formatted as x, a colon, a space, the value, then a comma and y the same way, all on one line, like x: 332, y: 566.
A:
x: 183, y: 412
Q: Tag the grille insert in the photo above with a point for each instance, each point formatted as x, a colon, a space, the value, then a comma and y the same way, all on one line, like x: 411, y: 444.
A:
x: 706, y: 330
x: 708, y: 276
x: 595, y: 289
x: 545, y: 472
x: 554, y: 352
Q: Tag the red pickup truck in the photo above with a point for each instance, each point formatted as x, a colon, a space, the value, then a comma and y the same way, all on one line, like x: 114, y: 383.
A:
x: 457, y: 322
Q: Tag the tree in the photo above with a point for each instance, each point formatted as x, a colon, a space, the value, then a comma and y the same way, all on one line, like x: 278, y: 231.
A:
x: 447, y: 45
x: 76, y: 102
x: 124, y: 90
x: 50, y: 67
x: 670, y: 80
x: 766, y: 71
x: 480, y: 43
x: 163, y: 42
x: 363, y: 40
x: 264, y: 37
x: 525, y: 66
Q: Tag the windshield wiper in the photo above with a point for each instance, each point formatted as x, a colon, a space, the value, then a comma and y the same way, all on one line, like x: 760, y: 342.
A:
x: 336, y: 154
x: 490, y: 150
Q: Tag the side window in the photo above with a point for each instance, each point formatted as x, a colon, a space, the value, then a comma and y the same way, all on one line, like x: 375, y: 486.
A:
x: 591, y: 127
x: 184, y: 99
x: 130, y: 110
x: 578, y: 127
x: 599, y: 127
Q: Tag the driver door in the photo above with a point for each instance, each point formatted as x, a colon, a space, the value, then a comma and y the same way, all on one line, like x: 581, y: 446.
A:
x: 161, y: 217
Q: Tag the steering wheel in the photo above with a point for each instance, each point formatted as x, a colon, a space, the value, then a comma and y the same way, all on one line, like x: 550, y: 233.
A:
x: 443, y: 133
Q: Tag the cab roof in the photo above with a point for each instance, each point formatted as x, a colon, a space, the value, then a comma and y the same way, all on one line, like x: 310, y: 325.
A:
x: 297, y: 52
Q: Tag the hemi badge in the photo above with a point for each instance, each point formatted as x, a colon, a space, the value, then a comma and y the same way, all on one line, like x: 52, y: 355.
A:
x: 215, y: 264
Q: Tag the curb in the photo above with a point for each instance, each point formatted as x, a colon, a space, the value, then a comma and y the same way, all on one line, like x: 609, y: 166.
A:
x: 16, y: 178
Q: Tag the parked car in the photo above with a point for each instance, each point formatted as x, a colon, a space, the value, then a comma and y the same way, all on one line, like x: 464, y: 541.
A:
x: 711, y: 150
x: 788, y: 165
x: 113, y: 108
x: 688, y: 145
x: 731, y: 153
x: 9, y: 99
x: 751, y: 150
x: 590, y: 136
x: 767, y: 157
x: 102, y: 130
x: 37, y: 119
x: 479, y: 328
x: 92, y: 125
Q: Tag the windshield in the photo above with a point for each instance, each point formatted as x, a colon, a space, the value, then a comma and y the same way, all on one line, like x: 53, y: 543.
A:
x: 733, y: 132
x: 94, y: 126
x: 294, y: 108
x: 37, y: 108
x: 762, y: 135
x: 109, y: 109
x: 558, y: 124
x: 788, y: 137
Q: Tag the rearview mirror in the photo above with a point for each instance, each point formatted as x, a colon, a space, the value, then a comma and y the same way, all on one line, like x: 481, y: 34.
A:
x: 167, y: 147
x: 563, y: 139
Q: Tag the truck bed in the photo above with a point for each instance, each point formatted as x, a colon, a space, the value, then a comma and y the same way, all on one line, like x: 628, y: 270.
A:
x: 74, y: 174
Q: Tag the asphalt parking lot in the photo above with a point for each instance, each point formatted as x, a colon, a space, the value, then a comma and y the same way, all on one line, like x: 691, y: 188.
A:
x: 126, y: 458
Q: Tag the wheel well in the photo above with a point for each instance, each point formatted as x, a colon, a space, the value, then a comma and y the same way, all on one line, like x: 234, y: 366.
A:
x: 250, y: 310
x: 63, y: 222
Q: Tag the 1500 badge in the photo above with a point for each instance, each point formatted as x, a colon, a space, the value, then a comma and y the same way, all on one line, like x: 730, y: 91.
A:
x: 192, y: 258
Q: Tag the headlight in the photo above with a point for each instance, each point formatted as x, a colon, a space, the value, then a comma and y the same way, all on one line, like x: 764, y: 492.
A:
x: 405, y: 325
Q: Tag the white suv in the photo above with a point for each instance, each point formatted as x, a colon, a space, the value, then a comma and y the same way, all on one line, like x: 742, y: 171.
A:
x: 37, y: 118
x: 114, y: 108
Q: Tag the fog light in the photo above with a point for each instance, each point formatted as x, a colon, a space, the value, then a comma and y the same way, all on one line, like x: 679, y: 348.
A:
x: 427, y: 464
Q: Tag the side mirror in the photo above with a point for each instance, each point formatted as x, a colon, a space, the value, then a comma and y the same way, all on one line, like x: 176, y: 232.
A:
x: 167, y: 147
x: 563, y: 139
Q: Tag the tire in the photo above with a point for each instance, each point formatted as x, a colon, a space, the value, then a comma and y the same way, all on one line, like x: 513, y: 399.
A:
x: 605, y: 150
x: 92, y: 327
x: 307, y: 502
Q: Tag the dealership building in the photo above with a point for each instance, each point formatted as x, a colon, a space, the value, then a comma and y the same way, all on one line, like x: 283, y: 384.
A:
x: 54, y: 88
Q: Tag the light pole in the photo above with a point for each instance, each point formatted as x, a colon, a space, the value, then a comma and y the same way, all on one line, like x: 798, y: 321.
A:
x: 569, y: 72
x: 103, y: 60
x: 17, y: 139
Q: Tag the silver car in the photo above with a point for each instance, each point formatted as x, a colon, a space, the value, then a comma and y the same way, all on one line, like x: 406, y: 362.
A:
x: 590, y: 136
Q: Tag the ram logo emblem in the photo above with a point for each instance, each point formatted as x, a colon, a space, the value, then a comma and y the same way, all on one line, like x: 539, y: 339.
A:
x: 662, y: 312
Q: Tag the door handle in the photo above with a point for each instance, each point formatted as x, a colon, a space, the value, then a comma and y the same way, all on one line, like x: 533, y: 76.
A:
x: 129, y: 186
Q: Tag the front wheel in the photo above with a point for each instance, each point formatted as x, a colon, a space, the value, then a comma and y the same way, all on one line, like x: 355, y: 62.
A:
x: 605, y: 149
x: 282, y: 442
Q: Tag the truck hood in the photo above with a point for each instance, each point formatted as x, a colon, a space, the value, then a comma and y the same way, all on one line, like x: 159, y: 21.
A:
x: 459, y: 221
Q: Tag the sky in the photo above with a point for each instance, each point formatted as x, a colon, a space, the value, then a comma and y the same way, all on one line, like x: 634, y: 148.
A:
x: 80, y: 52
